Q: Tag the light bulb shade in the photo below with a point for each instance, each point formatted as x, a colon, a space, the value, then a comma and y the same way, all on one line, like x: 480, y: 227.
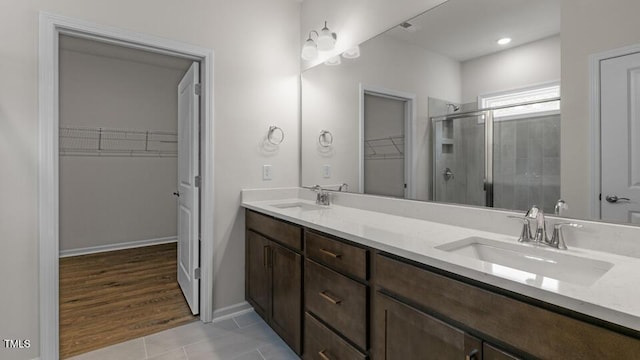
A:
x: 333, y: 61
x: 326, y: 39
x: 309, y: 50
x: 352, y: 53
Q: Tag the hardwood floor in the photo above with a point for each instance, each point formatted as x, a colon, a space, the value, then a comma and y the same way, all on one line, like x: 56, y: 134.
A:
x: 111, y: 297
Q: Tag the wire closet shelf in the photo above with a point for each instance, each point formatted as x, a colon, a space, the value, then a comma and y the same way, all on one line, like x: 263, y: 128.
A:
x: 391, y: 147
x: 77, y: 141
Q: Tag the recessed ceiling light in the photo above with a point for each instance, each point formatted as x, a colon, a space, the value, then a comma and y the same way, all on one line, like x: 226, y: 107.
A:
x: 504, y: 41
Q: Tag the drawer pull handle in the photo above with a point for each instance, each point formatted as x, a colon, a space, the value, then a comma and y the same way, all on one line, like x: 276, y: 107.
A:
x: 332, y: 254
x: 329, y: 298
x: 323, y: 355
x: 473, y: 355
x: 265, y: 255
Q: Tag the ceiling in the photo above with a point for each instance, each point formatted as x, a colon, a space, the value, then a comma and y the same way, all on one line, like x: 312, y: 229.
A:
x: 467, y: 29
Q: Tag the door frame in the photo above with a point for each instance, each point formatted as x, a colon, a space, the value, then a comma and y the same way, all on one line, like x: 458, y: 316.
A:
x: 51, y: 26
x: 409, y: 133
x: 596, y: 122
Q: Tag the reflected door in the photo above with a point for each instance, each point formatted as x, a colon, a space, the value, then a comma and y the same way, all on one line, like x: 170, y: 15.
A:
x: 459, y: 162
x: 620, y: 138
x: 384, y: 145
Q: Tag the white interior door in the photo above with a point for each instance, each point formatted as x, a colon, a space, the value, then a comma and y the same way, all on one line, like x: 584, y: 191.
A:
x: 620, y: 131
x: 188, y: 187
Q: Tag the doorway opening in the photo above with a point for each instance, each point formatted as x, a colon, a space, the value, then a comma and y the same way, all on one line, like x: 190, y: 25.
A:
x: 120, y: 152
x: 200, y: 162
x: 387, y: 118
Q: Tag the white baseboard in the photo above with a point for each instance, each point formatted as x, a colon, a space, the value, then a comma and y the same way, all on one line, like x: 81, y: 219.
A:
x: 119, y: 246
x: 231, y: 311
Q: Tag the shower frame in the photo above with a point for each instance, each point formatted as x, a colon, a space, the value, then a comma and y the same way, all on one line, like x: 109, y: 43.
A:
x: 488, y: 114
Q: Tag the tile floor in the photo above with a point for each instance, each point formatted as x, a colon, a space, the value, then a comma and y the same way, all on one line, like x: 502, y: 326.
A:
x: 245, y: 337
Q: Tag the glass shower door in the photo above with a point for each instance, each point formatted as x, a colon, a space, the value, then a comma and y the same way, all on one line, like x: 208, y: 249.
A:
x: 462, y: 165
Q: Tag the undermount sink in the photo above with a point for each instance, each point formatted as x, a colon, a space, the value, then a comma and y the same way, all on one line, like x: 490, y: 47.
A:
x: 529, y: 264
x: 299, y: 206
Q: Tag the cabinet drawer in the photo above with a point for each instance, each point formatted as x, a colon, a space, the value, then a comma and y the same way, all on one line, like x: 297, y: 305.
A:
x: 531, y: 329
x: 343, y: 257
x: 320, y: 343
x: 287, y: 234
x: 339, y: 301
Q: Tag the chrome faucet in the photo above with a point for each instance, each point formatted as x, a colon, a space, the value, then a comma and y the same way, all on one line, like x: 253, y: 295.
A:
x: 322, y: 196
x: 535, y: 213
x: 541, y: 237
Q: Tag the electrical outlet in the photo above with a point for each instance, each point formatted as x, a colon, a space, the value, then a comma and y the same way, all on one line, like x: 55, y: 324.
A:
x: 326, y: 171
x: 267, y: 172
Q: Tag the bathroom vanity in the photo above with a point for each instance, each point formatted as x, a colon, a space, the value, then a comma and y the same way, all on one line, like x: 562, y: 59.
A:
x: 346, y: 283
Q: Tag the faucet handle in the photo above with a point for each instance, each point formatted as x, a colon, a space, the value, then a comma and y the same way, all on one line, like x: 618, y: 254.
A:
x: 525, y: 235
x: 557, y: 239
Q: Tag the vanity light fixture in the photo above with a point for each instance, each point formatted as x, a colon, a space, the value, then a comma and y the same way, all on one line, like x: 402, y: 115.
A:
x: 310, y: 49
x: 352, y: 53
x: 504, y: 41
x: 333, y: 61
x: 325, y: 40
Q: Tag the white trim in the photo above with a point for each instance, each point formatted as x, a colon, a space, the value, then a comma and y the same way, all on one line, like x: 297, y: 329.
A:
x: 410, y: 134
x: 232, y: 311
x: 118, y: 246
x: 530, y: 88
x: 50, y: 27
x: 594, y: 124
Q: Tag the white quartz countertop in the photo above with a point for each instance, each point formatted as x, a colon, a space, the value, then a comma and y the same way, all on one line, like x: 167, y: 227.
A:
x: 614, y: 297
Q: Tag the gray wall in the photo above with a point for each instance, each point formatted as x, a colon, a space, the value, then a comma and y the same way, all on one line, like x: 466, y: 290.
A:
x: 107, y: 200
x: 251, y: 92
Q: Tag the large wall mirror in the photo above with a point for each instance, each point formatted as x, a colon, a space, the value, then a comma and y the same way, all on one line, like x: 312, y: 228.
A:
x: 461, y: 104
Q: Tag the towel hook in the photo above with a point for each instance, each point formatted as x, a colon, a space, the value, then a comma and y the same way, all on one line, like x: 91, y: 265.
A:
x: 272, y: 138
x: 325, y: 139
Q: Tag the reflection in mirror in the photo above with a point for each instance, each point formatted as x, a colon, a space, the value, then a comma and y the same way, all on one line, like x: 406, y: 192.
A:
x: 405, y: 114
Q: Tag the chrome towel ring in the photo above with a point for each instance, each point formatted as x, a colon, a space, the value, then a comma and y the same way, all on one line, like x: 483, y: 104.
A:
x: 325, y: 139
x: 275, y: 136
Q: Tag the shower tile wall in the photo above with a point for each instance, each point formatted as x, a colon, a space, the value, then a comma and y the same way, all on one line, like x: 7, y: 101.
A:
x: 526, y: 160
x: 527, y: 163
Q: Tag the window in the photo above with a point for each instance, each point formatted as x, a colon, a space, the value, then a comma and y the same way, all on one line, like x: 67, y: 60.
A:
x: 541, y: 92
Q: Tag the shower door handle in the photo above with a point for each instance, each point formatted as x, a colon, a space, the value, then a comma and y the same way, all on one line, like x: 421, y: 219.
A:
x: 447, y: 174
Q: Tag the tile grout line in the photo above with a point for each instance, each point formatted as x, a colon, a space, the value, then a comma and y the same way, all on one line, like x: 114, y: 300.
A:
x: 261, y: 355
x: 235, y: 322
x: 144, y: 344
x: 184, y: 350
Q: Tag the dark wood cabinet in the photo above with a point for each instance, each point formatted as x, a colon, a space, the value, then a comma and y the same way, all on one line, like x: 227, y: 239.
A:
x: 273, y: 278
x: 490, y: 352
x: 338, y: 301
x: 361, y: 303
x: 320, y: 343
x: 405, y: 333
x: 258, y: 274
x: 286, y: 308
x: 532, y: 331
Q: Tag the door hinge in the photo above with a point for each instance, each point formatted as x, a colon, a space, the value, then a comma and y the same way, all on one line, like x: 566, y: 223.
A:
x: 197, y: 181
x: 198, y: 89
x: 196, y: 273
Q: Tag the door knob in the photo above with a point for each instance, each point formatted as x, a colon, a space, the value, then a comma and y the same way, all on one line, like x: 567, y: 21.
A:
x: 614, y: 198
x: 176, y: 194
